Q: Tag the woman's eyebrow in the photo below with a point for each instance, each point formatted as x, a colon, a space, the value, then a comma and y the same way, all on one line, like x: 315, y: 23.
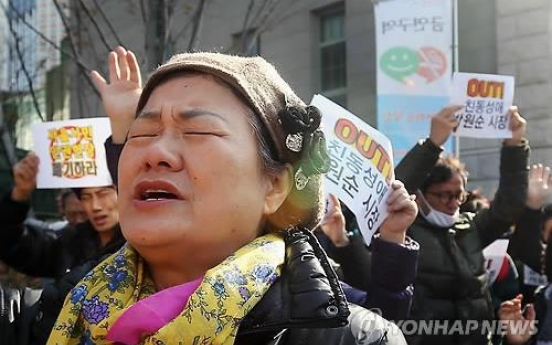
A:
x: 188, y: 114
x: 183, y: 115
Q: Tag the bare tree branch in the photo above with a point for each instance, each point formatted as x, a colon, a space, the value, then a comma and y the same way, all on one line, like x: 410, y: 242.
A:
x: 25, y: 71
x: 197, y: 23
x: 104, y: 17
x: 186, y: 27
x: 9, y: 146
x: 169, y: 42
x: 262, y: 9
x: 80, y: 67
x: 161, y: 28
x: 276, y: 20
x: 41, y: 35
x: 265, y: 21
x: 143, y: 11
x: 245, y: 23
x: 96, y: 26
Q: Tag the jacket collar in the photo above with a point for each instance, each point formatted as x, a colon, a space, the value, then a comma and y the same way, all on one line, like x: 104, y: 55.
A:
x: 307, y: 295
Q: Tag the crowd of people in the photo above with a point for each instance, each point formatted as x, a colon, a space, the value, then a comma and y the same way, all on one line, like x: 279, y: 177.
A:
x: 215, y: 229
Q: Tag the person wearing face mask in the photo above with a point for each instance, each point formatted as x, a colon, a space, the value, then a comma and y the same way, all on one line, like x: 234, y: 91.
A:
x: 451, y: 286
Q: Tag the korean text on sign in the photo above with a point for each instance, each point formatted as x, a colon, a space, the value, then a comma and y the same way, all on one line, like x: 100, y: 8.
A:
x: 72, y: 153
x: 360, y: 165
x: 486, y: 100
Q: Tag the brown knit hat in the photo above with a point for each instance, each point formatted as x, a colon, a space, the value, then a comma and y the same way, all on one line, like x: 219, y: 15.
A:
x: 293, y: 127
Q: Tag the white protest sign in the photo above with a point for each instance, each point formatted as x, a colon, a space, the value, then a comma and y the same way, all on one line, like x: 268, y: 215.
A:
x: 530, y: 277
x: 486, y: 99
x: 72, y: 153
x: 494, y: 255
x: 361, y: 165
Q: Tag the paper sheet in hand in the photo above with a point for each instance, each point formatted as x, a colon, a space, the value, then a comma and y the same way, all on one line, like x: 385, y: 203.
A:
x: 361, y: 165
x: 494, y: 255
x: 486, y: 99
x: 72, y: 153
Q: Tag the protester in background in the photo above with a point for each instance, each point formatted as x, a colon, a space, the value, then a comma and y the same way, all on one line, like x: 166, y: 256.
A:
x: 207, y: 165
x: 70, y: 209
x: 530, y: 243
x: 451, y: 282
x: 62, y: 257
x: 475, y: 201
x: 386, y: 271
x: 37, y: 255
x: 505, y: 286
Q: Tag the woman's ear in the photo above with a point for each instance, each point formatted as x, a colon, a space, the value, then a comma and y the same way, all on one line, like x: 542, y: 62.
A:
x: 279, y: 186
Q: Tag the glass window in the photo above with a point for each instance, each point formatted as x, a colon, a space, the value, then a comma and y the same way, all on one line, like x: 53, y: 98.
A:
x: 333, y: 56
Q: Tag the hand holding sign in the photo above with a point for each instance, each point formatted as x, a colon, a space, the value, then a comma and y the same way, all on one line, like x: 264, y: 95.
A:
x: 443, y: 124
x: 518, y: 126
x: 72, y: 153
x: 24, y: 176
x: 402, y: 211
x: 333, y: 223
x: 120, y: 96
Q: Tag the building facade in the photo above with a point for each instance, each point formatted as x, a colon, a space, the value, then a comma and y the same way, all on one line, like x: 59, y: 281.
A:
x: 328, y: 47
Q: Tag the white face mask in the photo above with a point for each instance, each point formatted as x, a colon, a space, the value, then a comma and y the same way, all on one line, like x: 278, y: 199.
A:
x: 438, y: 218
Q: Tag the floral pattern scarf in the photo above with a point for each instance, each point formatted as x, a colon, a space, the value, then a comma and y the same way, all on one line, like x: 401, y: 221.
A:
x: 213, y: 312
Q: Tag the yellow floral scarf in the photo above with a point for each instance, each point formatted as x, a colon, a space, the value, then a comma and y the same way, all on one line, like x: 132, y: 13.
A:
x: 213, y: 312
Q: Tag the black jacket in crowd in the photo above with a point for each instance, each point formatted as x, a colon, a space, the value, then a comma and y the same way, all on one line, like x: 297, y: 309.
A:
x: 66, y: 257
x: 451, y: 282
x: 526, y: 245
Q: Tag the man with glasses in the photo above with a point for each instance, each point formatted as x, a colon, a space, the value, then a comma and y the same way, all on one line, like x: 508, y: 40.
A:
x: 451, y: 287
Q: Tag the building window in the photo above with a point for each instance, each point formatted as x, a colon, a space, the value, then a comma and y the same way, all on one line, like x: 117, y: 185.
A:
x: 333, y: 56
x: 247, y: 44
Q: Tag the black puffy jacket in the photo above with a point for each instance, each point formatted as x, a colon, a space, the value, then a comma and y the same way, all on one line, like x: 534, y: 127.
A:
x: 306, y: 306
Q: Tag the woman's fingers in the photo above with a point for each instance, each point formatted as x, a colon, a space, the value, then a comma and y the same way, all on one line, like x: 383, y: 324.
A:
x: 134, y: 68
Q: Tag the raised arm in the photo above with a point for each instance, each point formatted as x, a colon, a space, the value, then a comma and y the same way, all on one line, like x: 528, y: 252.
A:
x: 526, y: 242
x: 28, y: 250
x: 388, y: 272
x: 510, y: 197
x: 120, y: 97
x: 121, y: 93
x: 420, y: 160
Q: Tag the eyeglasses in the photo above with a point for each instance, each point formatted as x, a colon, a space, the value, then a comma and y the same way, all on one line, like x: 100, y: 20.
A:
x: 446, y: 197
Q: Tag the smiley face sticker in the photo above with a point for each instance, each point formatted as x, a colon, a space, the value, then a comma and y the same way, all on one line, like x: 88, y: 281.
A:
x: 401, y: 62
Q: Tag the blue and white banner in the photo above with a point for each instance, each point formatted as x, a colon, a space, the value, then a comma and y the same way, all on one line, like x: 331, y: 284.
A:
x: 414, y: 40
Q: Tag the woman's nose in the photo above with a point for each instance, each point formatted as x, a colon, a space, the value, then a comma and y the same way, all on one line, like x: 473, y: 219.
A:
x: 164, y: 153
